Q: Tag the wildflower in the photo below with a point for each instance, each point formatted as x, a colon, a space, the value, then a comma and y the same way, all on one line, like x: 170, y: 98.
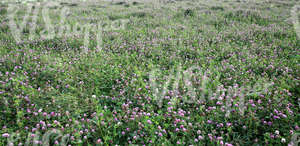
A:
x: 149, y: 122
x: 277, y: 132
x: 160, y: 134
x: 276, y: 117
x: 199, y: 132
x: 269, y: 123
x: 210, y: 136
x: 56, y: 142
x: 220, y: 125
x: 259, y: 101
x: 5, y: 135
x: 283, y: 140
x: 56, y: 122
x: 200, y: 137
x: 33, y: 129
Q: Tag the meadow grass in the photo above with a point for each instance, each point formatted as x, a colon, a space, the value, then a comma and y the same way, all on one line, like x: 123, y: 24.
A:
x: 105, y: 96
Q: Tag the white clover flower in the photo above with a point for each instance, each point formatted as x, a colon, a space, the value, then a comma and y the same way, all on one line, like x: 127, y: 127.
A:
x: 277, y: 132
x: 283, y: 140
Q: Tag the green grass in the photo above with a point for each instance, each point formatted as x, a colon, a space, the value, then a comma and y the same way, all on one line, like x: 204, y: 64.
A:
x: 107, y: 94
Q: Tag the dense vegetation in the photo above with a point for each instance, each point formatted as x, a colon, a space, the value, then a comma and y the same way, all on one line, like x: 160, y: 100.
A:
x: 105, y: 96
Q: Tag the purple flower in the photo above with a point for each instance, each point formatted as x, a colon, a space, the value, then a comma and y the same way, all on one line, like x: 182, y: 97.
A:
x: 160, y: 134
x: 199, y: 132
x: 56, y: 122
x: 56, y: 142
x: 99, y: 141
x: 269, y: 123
x: 200, y: 137
x: 149, y: 122
x: 228, y: 124
x: 5, y: 135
